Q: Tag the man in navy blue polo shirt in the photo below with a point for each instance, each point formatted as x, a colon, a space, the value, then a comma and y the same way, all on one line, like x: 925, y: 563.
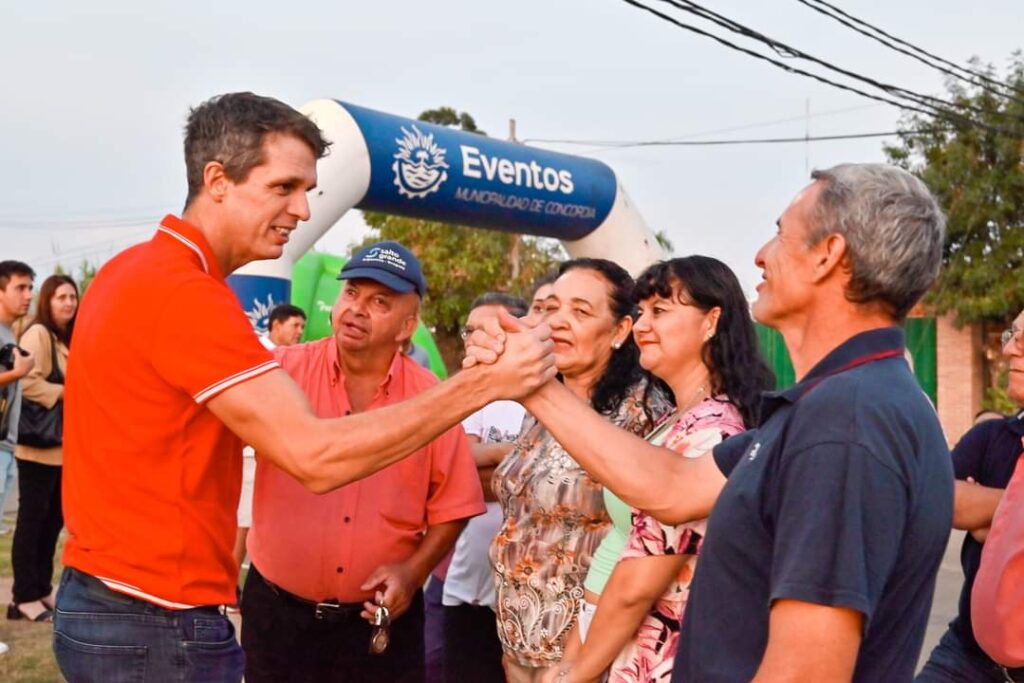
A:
x: 821, y: 552
x: 983, y: 461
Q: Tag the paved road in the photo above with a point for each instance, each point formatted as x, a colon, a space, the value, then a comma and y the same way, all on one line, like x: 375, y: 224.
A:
x: 947, y: 594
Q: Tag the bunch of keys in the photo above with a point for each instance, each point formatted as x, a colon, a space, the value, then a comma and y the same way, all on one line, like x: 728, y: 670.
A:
x: 380, y: 634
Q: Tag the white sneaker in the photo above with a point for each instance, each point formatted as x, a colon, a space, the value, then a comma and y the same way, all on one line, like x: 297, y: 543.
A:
x: 3, y: 648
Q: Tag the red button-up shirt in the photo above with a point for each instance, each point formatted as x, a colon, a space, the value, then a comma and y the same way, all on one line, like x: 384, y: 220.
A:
x: 321, y: 547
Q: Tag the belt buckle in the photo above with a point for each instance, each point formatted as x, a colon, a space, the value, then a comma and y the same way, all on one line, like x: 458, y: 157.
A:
x: 325, y: 609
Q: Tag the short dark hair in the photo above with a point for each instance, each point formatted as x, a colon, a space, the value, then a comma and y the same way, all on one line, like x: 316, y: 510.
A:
x: 231, y: 128
x: 282, y: 312
x: 513, y: 304
x: 44, y: 313
x: 9, y: 269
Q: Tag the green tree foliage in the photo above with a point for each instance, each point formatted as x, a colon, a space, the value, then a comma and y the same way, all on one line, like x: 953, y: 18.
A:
x: 459, y: 262
x: 978, y: 178
x: 84, y: 277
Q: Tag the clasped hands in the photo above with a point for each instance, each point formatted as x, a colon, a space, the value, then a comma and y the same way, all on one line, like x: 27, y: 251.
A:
x: 515, y: 359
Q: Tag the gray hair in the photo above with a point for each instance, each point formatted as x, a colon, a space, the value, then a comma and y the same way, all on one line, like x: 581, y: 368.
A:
x: 893, y: 227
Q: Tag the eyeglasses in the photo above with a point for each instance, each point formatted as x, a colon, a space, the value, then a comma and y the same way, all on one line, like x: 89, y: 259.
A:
x: 1012, y: 334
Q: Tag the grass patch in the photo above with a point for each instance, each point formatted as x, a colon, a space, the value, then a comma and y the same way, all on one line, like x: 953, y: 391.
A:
x: 30, y: 658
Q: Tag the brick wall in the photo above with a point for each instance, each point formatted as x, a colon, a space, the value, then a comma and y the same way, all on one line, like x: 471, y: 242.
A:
x: 960, y: 375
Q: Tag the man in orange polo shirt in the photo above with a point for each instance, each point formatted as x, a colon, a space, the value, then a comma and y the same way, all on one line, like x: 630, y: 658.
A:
x: 317, y: 559
x: 156, y: 411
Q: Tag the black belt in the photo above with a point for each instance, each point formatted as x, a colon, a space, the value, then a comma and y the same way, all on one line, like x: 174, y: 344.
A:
x: 327, y: 610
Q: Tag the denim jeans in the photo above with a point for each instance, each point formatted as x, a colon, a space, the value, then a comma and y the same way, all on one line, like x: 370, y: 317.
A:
x: 951, y: 662
x: 6, y: 478
x: 103, y: 636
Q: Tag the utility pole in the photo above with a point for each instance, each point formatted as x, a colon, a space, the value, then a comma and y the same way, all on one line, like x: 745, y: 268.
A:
x: 513, y: 255
x: 807, y: 137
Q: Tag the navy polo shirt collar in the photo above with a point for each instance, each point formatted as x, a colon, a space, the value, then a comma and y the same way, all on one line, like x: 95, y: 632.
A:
x: 862, y: 347
x: 1016, y: 424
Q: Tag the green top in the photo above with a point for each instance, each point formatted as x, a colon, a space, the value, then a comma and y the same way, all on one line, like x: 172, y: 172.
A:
x: 607, y: 554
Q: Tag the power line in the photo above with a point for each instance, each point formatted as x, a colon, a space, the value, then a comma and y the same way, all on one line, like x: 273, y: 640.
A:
x: 784, y: 49
x: 914, y: 51
x: 749, y: 126
x: 927, y: 110
x: 76, y: 226
x: 619, y: 144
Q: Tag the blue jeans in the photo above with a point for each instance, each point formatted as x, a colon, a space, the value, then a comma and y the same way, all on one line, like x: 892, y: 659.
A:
x: 951, y: 662
x: 103, y: 636
x: 6, y: 478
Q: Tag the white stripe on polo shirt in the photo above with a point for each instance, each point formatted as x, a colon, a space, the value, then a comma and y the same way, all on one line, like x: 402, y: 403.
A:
x: 237, y: 378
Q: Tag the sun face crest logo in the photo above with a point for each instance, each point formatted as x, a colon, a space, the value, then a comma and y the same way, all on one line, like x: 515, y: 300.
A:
x: 259, y: 313
x: 419, y: 165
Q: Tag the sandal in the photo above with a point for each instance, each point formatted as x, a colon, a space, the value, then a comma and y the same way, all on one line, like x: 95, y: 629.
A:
x: 14, y: 613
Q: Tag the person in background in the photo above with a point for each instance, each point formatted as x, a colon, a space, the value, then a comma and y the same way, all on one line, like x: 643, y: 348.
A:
x: 16, y: 279
x: 554, y: 514
x: 40, y: 518
x: 542, y: 289
x: 323, y: 566
x: 471, y: 649
x: 983, y: 462
x: 285, y: 326
x: 695, y: 334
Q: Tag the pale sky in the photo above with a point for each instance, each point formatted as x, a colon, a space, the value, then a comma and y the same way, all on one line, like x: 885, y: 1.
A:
x: 96, y: 94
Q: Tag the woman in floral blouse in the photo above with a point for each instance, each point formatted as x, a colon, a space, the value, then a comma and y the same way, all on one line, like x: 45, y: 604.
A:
x: 694, y: 333
x: 554, y: 513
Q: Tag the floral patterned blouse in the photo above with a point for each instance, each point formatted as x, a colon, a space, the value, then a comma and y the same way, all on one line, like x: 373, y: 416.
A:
x: 649, y: 656
x: 554, y: 520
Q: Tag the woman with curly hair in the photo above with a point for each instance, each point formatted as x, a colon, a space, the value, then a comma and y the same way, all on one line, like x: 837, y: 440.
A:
x: 554, y: 514
x: 695, y: 334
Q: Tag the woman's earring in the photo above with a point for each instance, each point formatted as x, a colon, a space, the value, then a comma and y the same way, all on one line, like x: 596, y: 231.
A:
x: 617, y: 345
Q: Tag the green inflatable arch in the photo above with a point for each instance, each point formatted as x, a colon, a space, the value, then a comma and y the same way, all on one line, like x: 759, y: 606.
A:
x: 315, y: 288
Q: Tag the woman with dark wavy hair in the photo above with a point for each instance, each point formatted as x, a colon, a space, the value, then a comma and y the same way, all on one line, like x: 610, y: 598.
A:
x: 696, y: 335
x: 554, y: 514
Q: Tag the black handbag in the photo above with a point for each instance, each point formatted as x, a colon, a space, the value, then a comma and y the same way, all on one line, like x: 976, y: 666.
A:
x: 41, y: 427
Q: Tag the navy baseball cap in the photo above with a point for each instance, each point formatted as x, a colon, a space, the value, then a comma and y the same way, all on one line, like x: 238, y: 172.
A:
x: 389, y: 263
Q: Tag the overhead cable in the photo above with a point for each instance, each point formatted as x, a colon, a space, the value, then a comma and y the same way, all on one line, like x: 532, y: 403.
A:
x: 911, y: 50
x: 620, y: 144
x: 788, y: 50
x: 928, y: 110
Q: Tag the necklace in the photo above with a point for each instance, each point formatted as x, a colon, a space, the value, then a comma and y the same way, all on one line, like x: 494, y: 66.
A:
x: 681, y: 409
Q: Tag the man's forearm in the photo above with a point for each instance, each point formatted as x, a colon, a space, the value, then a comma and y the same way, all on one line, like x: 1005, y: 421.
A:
x: 974, y: 505
x: 670, y: 488
x: 272, y: 414
x: 439, y: 539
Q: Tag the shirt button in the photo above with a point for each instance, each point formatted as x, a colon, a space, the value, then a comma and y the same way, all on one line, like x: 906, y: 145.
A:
x: 347, y: 519
x: 339, y: 569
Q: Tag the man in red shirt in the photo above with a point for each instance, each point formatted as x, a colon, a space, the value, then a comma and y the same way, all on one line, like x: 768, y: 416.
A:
x: 316, y: 560
x: 156, y: 412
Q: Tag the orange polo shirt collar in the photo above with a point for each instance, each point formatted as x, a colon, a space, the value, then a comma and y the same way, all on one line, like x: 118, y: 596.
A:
x: 193, y: 238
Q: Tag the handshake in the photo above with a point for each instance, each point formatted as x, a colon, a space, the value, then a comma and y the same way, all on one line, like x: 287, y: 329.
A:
x: 509, y: 359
